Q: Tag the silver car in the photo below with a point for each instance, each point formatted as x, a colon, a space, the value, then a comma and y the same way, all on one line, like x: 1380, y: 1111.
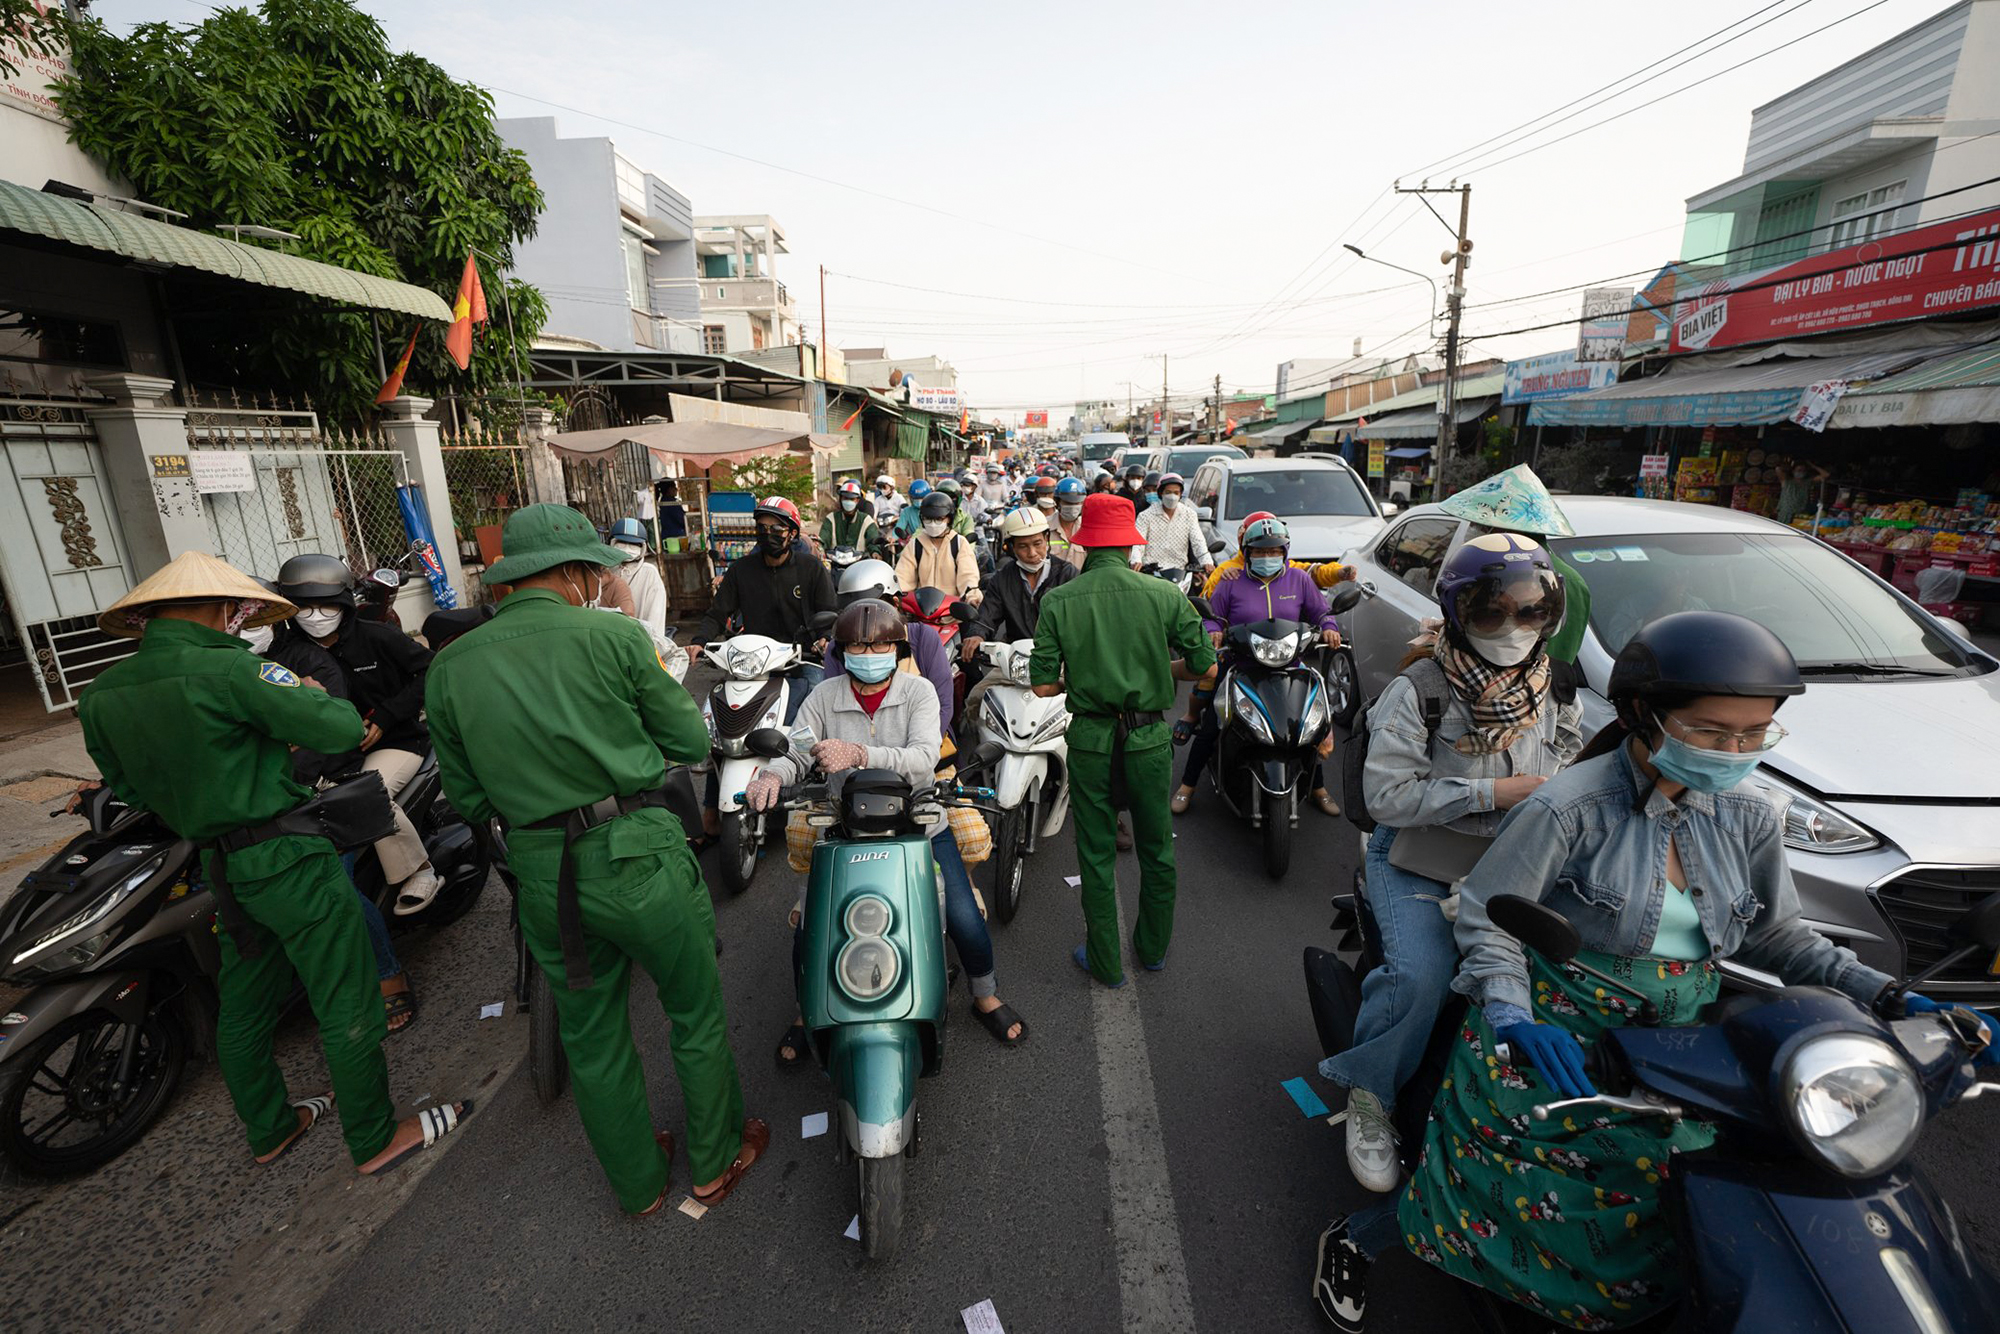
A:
x: 1325, y: 504
x: 1891, y: 771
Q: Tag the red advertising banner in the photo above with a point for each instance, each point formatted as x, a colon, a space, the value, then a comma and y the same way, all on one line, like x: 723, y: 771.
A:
x: 1941, y: 269
x: 1038, y: 417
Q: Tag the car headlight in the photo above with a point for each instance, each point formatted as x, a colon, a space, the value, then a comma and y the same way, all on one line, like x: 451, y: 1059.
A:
x: 1274, y: 652
x: 867, y: 968
x: 1813, y: 826
x: 1244, y: 707
x: 1852, y: 1102
x: 100, y: 908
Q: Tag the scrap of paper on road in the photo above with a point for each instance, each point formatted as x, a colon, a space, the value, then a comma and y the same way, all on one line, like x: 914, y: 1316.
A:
x: 812, y: 1125
x: 1302, y: 1094
x: 982, y: 1318
x: 497, y: 1010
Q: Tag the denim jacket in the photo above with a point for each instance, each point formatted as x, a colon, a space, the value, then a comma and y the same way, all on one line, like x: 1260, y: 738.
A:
x: 1578, y: 845
x: 1409, y: 784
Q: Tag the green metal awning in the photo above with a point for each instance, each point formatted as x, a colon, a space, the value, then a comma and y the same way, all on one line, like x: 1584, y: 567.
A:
x: 153, y: 241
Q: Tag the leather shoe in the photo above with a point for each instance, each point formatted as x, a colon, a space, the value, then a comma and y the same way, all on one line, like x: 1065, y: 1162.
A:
x: 1124, y: 836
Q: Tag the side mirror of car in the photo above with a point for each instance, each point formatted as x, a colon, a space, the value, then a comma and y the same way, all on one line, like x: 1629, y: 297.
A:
x: 1390, y: 509
x: 768, y: 742
x: 1346, y: 598
x: 1206, y: 513
x: 1536, y: 925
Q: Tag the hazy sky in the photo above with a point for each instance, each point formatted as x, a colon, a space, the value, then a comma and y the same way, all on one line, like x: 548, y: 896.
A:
x: 1072, y: 187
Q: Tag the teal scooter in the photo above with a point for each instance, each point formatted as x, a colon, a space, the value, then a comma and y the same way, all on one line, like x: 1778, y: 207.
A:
x: 872, y: 976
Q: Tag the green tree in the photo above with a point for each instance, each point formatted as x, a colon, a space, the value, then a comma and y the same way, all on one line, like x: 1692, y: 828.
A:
x: 299, y: 116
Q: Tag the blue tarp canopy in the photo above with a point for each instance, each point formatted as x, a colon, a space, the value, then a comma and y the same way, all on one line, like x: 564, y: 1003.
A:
x: 1750, y: 395
x: 1410, y: 452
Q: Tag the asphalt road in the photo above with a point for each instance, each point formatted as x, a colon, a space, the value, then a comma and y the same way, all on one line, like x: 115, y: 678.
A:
x: 1135, y: 1166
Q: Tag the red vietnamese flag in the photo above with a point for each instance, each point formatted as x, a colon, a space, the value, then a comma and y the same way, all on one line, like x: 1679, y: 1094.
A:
x: 849, y: 423
x: 964, y: 420
x: 467, y: 311
x: 394, y: 384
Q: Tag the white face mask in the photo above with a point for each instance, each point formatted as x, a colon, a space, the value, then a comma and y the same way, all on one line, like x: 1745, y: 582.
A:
x: 1169, y: 502
x: 583, y: 601
x: 1045, y: 502
x: 934, y: 527
x: 319, y: 622
x: 848, y: 505
x: 258, y: 639
x: 1071, y: 511
x: 1035, y: 568
x: 1510, y: 649
x: 631, y: 552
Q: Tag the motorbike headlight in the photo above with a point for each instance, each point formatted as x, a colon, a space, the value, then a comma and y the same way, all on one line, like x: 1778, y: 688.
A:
x: 1020, y: 670
x: 1852, y: 1102
x: 1243, y: 707
x: 1319, y: 712
x: 867, y: 968
x: 747, y: 664
x: 100, y: 908
x: 1050, y: 727
x: 1274, y: 652
x: 868, y: 915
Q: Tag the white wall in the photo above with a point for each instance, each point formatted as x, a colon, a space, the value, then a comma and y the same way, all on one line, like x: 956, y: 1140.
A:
x: 1974, y: 110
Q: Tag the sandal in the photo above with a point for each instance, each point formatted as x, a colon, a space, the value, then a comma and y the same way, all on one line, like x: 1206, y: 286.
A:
x: 437, y: 1122
x: 1183, y: 731
x: 314, y: 1108
x: 800, y: 1044
x: 756, y: 1139
x: 665, y: 1139
x: 701, y: 843
x: 400, y: 1005
x: 998, y: 1020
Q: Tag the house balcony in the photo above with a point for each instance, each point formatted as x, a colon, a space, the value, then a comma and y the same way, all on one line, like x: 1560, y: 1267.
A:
x: 760, y: 295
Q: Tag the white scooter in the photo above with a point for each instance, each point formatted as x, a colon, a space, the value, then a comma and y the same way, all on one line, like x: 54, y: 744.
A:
x: 1023, y: 752
x: 754, y: 692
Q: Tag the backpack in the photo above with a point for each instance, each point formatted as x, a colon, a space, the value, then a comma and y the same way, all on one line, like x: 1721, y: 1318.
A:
x: 1433, y: 696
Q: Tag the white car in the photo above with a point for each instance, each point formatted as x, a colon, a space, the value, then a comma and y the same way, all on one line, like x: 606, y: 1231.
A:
x: 1891, y: 772
x: 1322, y: 500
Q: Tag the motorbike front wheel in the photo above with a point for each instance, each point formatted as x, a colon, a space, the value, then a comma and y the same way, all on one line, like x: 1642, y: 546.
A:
x: 1277, y: 836
x: 548, y: 1062
x: 739, y: 851
x: 881, y: 1205
x: 59, y: 1114
x: 1009, y: 866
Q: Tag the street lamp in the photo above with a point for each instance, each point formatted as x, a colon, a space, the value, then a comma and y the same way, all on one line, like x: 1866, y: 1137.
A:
x: 1400, y: 269
x: 1447, y: 391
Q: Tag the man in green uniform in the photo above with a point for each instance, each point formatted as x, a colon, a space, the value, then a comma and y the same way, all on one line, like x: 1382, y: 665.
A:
x: 560, y: 720
x: 1115, y: 634
x: 197, y: 729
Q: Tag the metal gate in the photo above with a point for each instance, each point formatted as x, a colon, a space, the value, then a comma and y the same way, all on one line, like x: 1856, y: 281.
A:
x: 311, y: 491
x: 62, y: 552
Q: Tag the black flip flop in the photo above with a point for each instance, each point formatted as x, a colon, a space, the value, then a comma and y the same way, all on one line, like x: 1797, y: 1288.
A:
x: 1183, y: 731
x: 797, y: 1039
x: 400, y: 1003
x: 998, y: 1021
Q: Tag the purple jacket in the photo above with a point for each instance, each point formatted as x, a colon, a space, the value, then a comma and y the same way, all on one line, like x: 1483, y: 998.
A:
x: 932, y: 660
x: 1291, y: 595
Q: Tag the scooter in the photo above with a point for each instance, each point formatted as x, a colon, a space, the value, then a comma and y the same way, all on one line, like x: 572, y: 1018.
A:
x: 755, y: 691
x: 872, y: 979
x: 114, y: 938
x: 1023, y: 751
x: 1181, y: 579
x: 1806, y: 1213
x: 1272, y: 713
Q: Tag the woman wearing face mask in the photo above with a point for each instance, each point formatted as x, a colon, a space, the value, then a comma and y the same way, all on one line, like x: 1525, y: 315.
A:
x: 385, y: 681
x: 938, y: 557
x: 1173, y: 534
x: 1667, y: 865
x: 1271, y: 589
x: 1464, y: 733
x: 875, y: 716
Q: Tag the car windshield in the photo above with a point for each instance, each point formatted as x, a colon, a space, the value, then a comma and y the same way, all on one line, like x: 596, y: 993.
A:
x: 1291, y: 492
x: 1835, y: 618
x: 1185, y: 461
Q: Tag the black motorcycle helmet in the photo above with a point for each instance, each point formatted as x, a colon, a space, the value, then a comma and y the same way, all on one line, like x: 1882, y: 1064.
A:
x: 1689, y: 654
x: 1135, y: 473
x: 316, y: 580
x: 938, y: 505
x: 870, y: 621
x: 1152, y: 481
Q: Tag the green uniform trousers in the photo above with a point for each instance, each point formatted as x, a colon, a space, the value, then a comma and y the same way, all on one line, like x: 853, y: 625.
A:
x: 651, y: 909
x: 1148, y: 775
x: 312, y: 927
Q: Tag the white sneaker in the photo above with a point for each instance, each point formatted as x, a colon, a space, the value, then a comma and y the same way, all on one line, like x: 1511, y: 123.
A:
x: 1371, y: 1143
x: 415, y: 894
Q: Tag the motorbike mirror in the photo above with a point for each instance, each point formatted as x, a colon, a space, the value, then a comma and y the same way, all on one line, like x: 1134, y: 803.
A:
x: 1215, y: 545
x: 1981, y: 926
x: 1346, y: 598
x: 389, y: 578
x: 962, y: 612
x: 768, y: 742
x: 1202, y: 608
x: 1537, y: 926
x: 822, y: 622
x: 988, y: 751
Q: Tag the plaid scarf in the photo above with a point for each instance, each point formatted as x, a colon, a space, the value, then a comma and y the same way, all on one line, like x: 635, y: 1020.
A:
x: 1505, y: 701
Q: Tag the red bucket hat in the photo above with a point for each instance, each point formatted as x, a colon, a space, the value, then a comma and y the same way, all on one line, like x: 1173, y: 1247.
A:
x: 1108, y: 521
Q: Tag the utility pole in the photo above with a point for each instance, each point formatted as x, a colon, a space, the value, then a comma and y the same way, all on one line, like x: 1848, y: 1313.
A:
x: 1458, y: 256
x: 1215, y: 415
x: 1166, y: 409
x: 822, y: 321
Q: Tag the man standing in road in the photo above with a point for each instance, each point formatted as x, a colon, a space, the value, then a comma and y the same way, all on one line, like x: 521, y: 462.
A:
x: 1120, y: 639
x: 197, y: 729
x: 560, y: 721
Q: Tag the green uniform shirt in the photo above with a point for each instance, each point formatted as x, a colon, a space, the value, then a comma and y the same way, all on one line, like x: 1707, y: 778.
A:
x: 855, y: 530
x: 1576, y: 614
x: 197, y: 729
x: 548, y: 707
x: 1113, y: 632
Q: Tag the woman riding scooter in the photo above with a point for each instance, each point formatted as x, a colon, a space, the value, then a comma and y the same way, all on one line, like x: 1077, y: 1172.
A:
x: 877, y: 716
x: 1667, y: 867
x: 1467, y: 731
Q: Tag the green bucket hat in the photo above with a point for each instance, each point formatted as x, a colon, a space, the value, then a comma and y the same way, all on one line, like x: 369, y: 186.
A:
x: 1514, y: 501
x: 541, y: 537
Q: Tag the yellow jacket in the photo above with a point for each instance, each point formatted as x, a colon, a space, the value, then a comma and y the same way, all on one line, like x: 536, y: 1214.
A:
x: 1326, y: 574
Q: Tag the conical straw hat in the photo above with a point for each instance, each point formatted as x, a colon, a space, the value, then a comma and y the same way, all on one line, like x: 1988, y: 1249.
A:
x: 192, y: 576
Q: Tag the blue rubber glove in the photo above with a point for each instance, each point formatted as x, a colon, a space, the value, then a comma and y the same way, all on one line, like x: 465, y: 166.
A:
x: 1914, y: 1004
x: 1553, y: 1051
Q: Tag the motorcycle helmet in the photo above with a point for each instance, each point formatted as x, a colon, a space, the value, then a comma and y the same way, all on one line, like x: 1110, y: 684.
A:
x: 866, y: 579
x: 316, y: 579
x: 948, y: 485
x: 1025, y: 522
x: 848, y: 490
x: 1268, y: 531
x: 938, y: 505
x: 1486, y: 568
x: 1167, y: 479
x: 1249, y: 519
x: 1689, y: 654
x: 919, y: 489
x: 777, y: 507
x: 869, y: 621
x: 1070, y: 486
x: 1135, y: 473
x: 994, y: 470
x: 628, y: 530
x: 1152, y: 482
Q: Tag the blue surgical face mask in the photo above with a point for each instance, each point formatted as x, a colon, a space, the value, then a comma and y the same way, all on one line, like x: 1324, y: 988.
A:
x: 1709, y: 771
x: 1266, y: 566
x: 869, y: 668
